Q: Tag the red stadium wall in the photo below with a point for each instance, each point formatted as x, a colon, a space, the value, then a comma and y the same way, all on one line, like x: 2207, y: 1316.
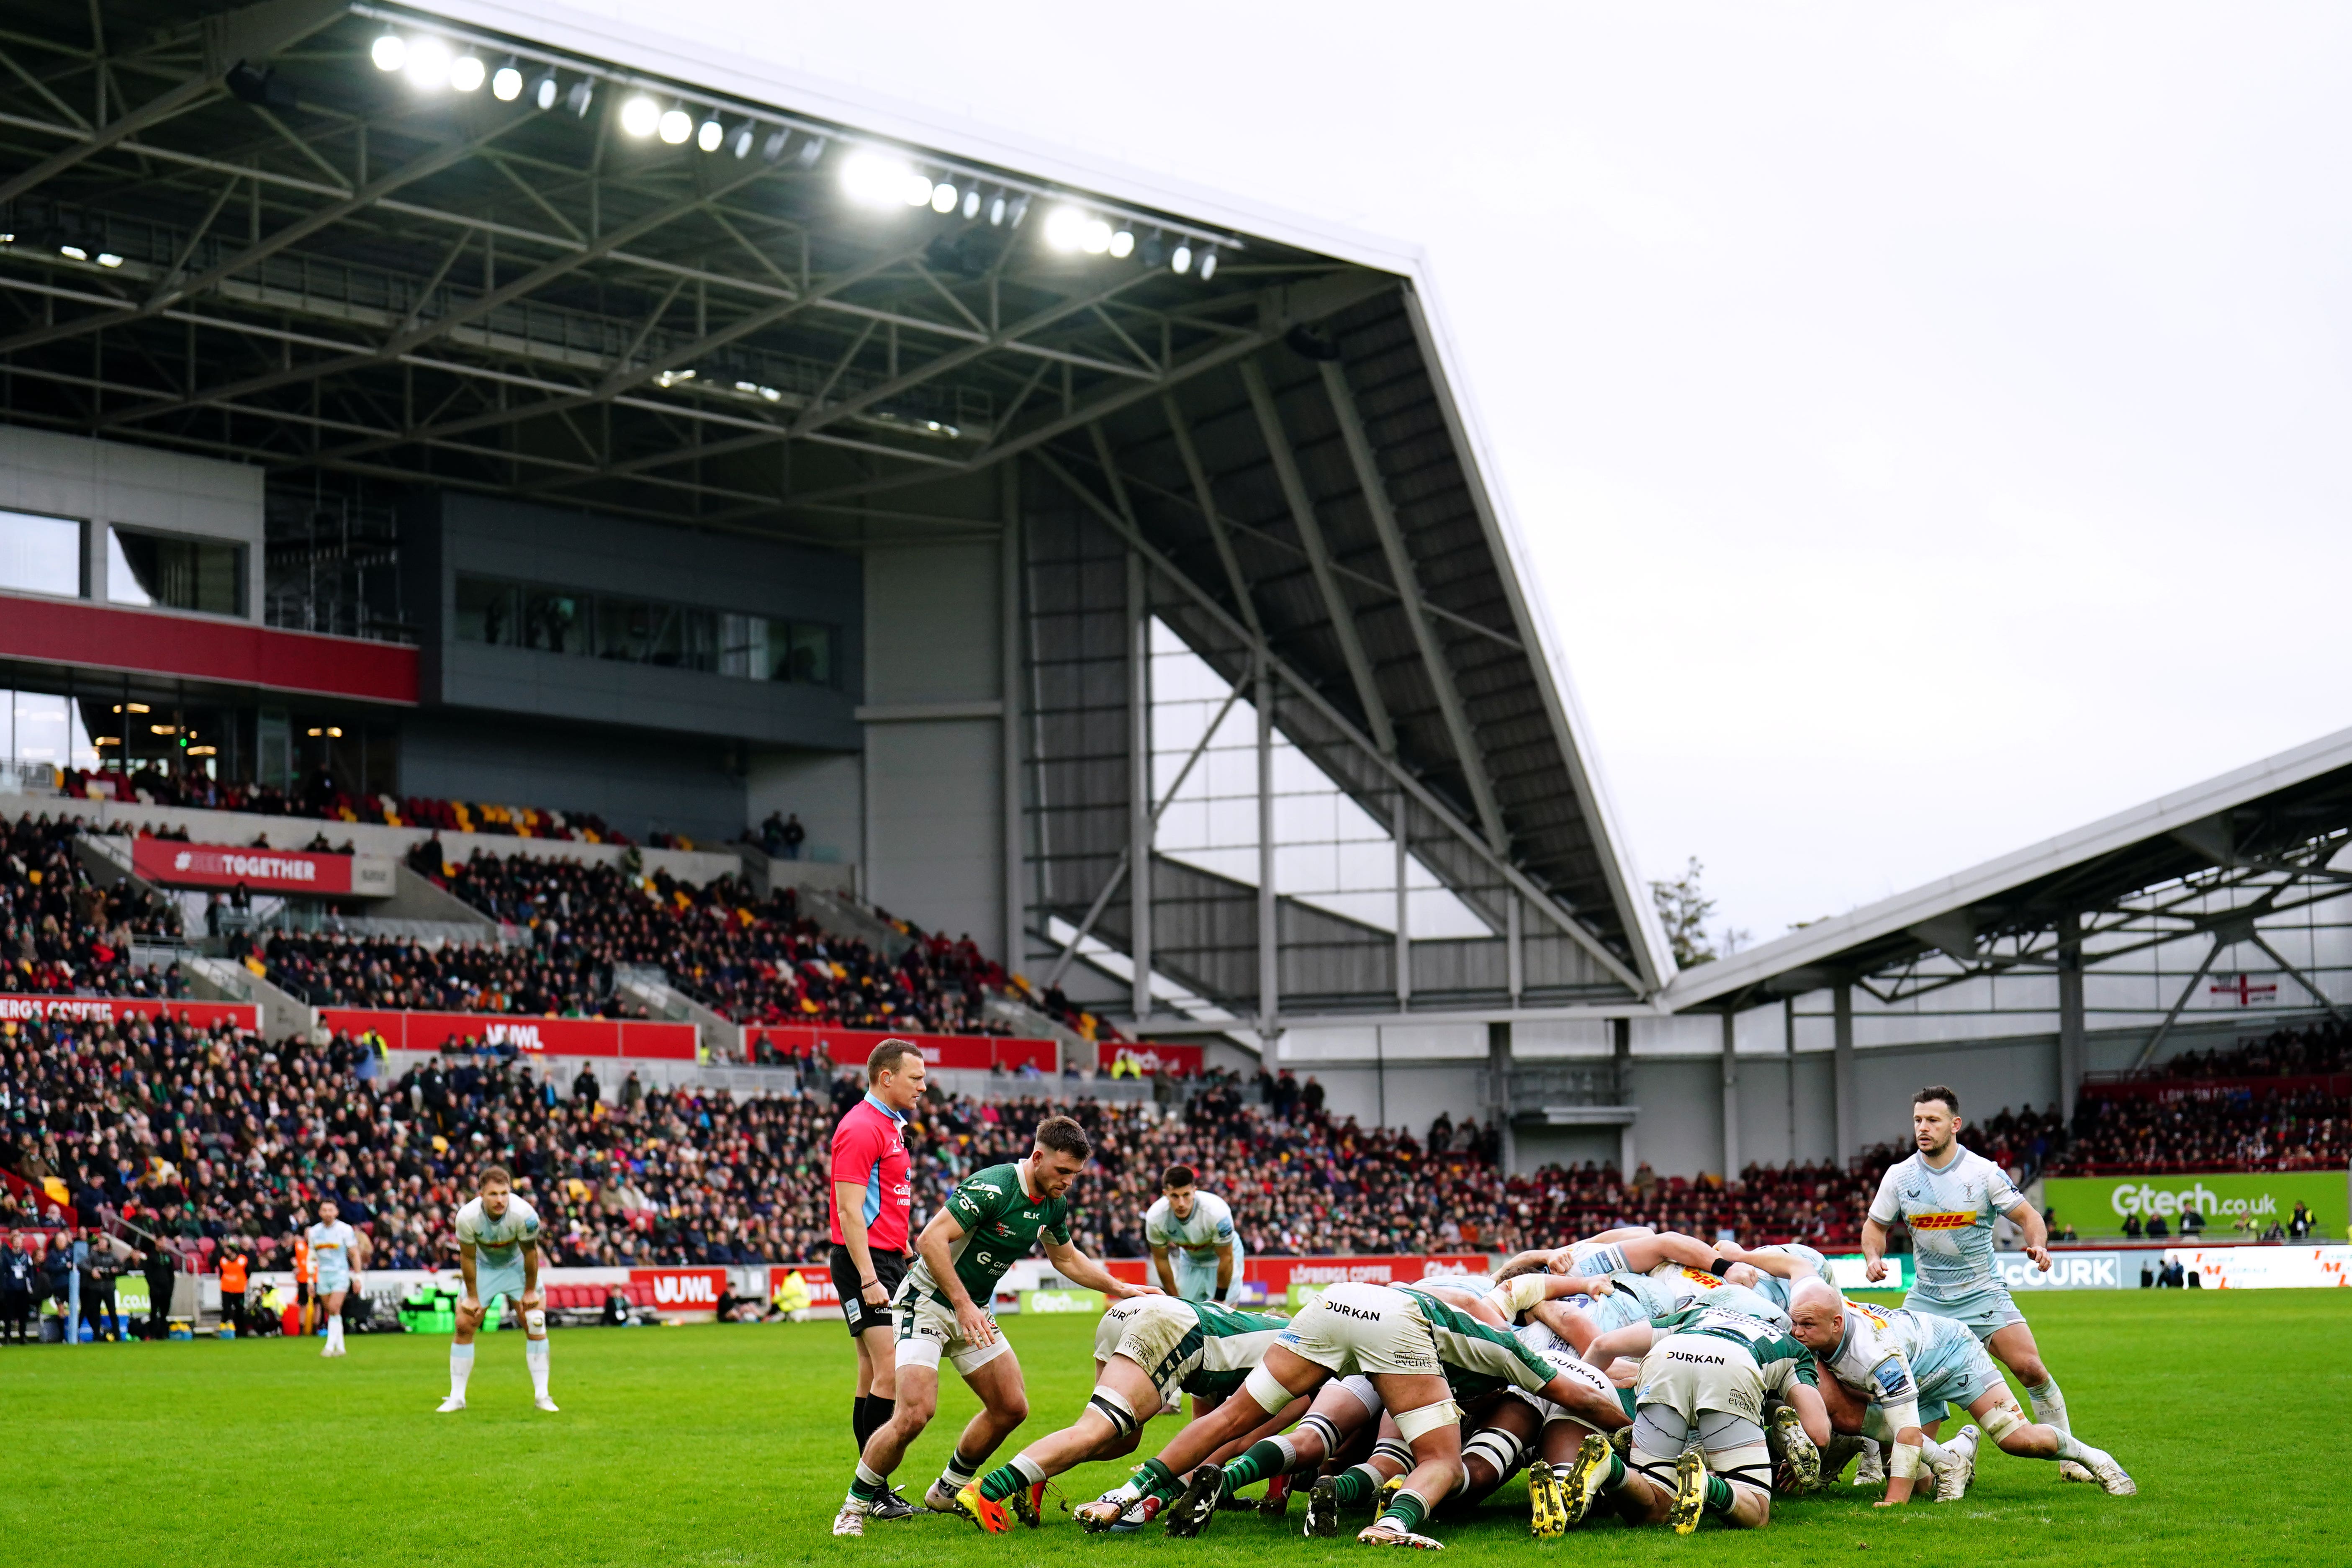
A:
x: 98, y: 1009
x: 532, y: 1036
x: 204, y: 647
x: 962, y: 1052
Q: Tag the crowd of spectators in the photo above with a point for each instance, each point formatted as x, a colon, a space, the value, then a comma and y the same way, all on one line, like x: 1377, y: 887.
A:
x: 2325, y: 1047
x: 2199, y: 1111
x: 318, y: 797
x: 337, y: 971
x: 61, y: 935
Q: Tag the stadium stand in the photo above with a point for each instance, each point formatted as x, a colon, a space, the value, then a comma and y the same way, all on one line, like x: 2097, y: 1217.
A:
x: 2279, y: 1103
x: 320, y: 798
x: 336, y: 971
x: 60, y: 934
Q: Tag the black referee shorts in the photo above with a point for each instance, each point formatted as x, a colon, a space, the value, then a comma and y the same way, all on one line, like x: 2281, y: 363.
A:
x: 889, y: 1267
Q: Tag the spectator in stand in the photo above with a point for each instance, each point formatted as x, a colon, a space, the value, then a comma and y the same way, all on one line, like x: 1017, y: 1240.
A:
x: 17, y: 1278
x: 2299, y: 1227
x: 585, y: 1091
x: 2192, y: 1224
x: 2157, y: 1229
x: 792, y: 837
x: 59, y: 933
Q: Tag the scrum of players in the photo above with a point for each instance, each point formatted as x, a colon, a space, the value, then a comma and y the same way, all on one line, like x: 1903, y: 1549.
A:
x: 1652, y: 1377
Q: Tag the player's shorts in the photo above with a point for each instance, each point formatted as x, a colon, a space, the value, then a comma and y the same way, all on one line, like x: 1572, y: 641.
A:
x: 1576, y: 1367
x: 1986, y: 1311
x: 1596, y: 1257
x: 1355, y: 1327
x: 495, y: 1279
x: 890, y: 1268
x: 1735, y: 1446
x: 927, y: 1330
x: 1156, y: 1333
x: 1688, y: 1373
x: 333, y: 1280
x: 1954, y: 1371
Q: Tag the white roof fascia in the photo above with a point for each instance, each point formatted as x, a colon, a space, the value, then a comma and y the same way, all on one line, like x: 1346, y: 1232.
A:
x: 2156, y: 818
x: 600, y: 36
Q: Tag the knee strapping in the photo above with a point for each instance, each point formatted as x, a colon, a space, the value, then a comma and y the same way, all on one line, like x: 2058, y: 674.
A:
x: 1266, y: 1389
x: 1320, y: 1428
x: 1115, y: 1409
x: 2000, y: 1421
x: 1500, y: 1449
x: 1412, y: 1424
x: 534, y: 1323
x: 1394, y: 1452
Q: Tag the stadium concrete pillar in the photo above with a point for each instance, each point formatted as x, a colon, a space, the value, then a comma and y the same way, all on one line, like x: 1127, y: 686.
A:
x: 1403, y: 908
x: 1498, y: 1091
x: 1842, y: 1072
x: 1016, y: 910
x: 1269, y: 980
x: 1620, y: 1033
x: 1139, y: 770
x: 1515, y: 946
x: 2071, y: 1042
x: 1789, y: 1044
x: 1730, y: 1097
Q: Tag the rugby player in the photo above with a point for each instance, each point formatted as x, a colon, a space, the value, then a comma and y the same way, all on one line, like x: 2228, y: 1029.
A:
x: 1909, y: 1366
x: 498, y: 1253
x: 1147, y: 1351
x: 1698, y: 1423
x: 1421, y: 1346
x: 1196, y: 1250
x: 871, y: 1198
x: 1950, y: 1197
x: 944, y: 1308
x: 334, y: 1255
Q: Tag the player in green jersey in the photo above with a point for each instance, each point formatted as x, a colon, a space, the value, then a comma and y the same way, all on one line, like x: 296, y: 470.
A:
x: 989, y: 1223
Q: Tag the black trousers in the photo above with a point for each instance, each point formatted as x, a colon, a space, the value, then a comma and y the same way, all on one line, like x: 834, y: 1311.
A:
x: 15, y: 1312
x: 159, y: 1305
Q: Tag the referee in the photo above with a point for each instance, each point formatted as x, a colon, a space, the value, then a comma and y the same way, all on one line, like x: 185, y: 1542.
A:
x: 871, y: 1195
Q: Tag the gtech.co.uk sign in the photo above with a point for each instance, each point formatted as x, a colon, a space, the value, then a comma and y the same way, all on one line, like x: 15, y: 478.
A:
x: 2098, y: 1206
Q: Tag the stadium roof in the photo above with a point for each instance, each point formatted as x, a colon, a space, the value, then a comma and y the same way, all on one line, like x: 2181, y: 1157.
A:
x: 238, y: 236
x: 2209, y: 860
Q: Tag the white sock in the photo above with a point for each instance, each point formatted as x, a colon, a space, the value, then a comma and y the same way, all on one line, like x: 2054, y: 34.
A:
x: 2049, y: 1405
x: 335, y: 1332
x: 534, y: 1355
x: 1935, y: 1453
x: 2072, y: 1447
x: 461, y: 1367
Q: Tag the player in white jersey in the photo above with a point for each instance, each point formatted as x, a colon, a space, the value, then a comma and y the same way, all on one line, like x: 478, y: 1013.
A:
x: 1896, y: 1361
x: 1951, y: 1197
x: 336, y: 1253
x: 1196, y: 1250
x: 498, y: 1252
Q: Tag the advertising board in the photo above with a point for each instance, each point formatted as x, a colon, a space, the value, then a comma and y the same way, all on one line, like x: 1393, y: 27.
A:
x: 965, y: 1052
x: 2098, y: 1206
x: 116, y: 1009
x: 530, y: 1035
x: 168, y: 863
x: 2266, y: 1267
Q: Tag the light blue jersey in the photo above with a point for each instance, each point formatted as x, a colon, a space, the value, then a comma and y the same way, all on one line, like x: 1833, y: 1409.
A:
x: 331, y: 1249
x: 497, y: 1245
x: 1193, y: 1242
x: 1951, y: 1212
x: 1774, y: 1288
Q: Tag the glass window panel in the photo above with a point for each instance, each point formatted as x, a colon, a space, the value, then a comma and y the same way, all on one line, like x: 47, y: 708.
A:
x: 488, y: 612
x: 554, y: 621
x: 155, y: 569
x: 624, y: 629
x: 41, y: 554
x: 812, y: 655
x: 698, y: 639
x: 45, y: 727
x: 743, y: 646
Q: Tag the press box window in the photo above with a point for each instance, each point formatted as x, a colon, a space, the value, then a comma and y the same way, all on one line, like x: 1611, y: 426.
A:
x: 41, y: 554
x: 488, y: 611
x: 160, y: 571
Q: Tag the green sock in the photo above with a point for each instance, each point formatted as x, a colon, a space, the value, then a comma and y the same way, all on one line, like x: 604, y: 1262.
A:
x: 1718, y: 1495
x: 1405, y: 1512
x: 1355, y: 1485
x: 1001, y: 1483
x: 1152, y: 1479
x: 1616, y: 1474
x: 1271, y: 1457
x: 866, y: 1485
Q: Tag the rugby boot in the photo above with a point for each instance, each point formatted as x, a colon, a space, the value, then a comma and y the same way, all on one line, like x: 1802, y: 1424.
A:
x: 2110, y: 1475
x: 1196, y: 1505
x: 941, y: 1498
x: 1323, y: 1508
x: 994, y: 1518
x: 1798, y: 1468
x: 1586, y: 1475
x: 2075, y: 1471
x: 851, y: 1519
x: 1690, y: 1493
x: 1870, y: 1470
x: 1377, y: 1534
x: 1029, y: 1504
x: 891, y: 1504
x: 1140, y: 1512
x: 1546, y: 1518
x: 1276, y: 1500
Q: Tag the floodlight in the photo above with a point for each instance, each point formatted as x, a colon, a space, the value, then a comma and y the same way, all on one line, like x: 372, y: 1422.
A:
x: 878, y: 181
x: 676, y: 125
x: 1122, y: 245
x: 1207, y: 263
x: 107, y: 258
x: 467, y: 73
x: 1180, y: 260
x: 972, y: 203
x: 916, y: 190
x: 506, y: 86
x: 1018, y: 211
x: 546, y: 91
x: 943, y: 197
x: 710, y: 135
x: 773, y: 147
x: 1065, y: 229
x: 811, y: 151
x: 640, y: 115
x: 744, y: 139
x: 389, y: 52
x: 582, y: 93
x: 73, y: 253
x: 428, y: 63
x: 1095, y: 237
x: 1155, y: 249
x: 996, y: 211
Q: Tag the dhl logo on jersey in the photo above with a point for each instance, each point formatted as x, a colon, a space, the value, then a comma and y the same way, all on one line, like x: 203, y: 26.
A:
x: 1863, y: 1309
x: 1700, y: 1277
x: 1941, y: 1221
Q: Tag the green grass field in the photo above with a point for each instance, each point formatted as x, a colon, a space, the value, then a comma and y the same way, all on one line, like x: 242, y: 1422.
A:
x: 730, y: 1446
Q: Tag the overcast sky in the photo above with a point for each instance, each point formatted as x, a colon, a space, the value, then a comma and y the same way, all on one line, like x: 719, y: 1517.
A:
x: 1928, y: 422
